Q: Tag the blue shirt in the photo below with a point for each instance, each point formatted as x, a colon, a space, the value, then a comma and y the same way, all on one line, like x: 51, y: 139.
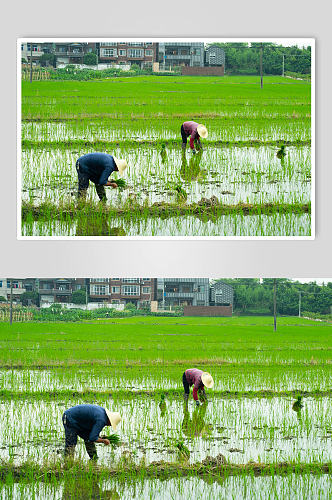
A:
x: 87, y: 420
x: 98, y: 166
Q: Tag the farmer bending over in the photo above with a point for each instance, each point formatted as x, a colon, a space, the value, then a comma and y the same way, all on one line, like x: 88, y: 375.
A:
x: 195, y: 131
x: 97, y: 167
x: 199, y: 380
x: 86, y: 421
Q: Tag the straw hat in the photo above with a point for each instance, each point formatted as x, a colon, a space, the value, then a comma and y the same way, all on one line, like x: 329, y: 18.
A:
x: 114, y: 417
x: 207, y: 380
x: 202, y: 131
x: 121, y: 164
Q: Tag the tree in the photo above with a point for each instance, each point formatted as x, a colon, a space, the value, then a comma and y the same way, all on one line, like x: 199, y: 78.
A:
x: 48, y: 60
x: 90, y: 59
x: 79, y: 296
x: 28, y: 298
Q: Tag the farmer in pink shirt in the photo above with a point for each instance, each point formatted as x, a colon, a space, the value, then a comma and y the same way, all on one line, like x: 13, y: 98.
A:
x: 199, y: 380
x: 195, y: 131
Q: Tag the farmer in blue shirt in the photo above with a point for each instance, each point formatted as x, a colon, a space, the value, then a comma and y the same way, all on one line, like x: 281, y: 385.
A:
x: 87, y: 421
x: 97, y: 167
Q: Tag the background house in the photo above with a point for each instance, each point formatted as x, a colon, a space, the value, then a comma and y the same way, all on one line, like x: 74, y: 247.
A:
x: 182, y: 291
x: 172, y: 54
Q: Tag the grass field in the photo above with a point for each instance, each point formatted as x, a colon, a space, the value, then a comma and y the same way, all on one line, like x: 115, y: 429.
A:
x: 237, y: 173
x: 126, y: 364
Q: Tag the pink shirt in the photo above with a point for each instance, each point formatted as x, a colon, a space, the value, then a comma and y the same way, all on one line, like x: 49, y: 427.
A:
x: 194, y: 377
x: 190, y: 128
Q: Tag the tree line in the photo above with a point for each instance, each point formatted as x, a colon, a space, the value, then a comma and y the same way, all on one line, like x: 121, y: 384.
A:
x: 252, y: 296
x: 244, y: 58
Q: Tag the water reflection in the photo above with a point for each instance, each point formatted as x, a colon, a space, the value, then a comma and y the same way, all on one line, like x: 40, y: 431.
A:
x: 101, y: 226
x: 190, y: 171
x: 83, y: 489
x: 195, y: 425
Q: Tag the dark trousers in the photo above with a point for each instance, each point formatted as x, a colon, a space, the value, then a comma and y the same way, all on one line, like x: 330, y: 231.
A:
x: 185, y: 383
x: 83, y: 184
x: 71, y: 441
x: 183, y: 135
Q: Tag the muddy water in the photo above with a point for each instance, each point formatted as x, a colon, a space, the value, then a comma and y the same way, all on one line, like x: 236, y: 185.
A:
x: 265, y: 430
x: 233, y: 175
x: 291, y: 487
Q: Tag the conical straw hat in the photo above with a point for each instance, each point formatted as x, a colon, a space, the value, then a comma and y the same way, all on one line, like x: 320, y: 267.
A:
x: 121, y: 164
x: 202, y: 131
x: 207, y: 380
x: 114, y: 417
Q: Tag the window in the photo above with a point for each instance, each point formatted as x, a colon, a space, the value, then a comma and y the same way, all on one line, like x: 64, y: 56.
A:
x: 130, y: 280
x: 130, y: 290
x: 99, y: 280
x: 99, y: 290
x: 201, y: 303
x: 219, y: 297
x: 148, y: 52
x: 62, y: 49
x: 122, y: 52
x: 115, y: 289
x: 135, y: 53
x: 146, y: 279
x: 78, y: 287
x: 115, y: 301
x: 146, y: 289
x: 16, y: 284
x: 135, y: 44
x: 108, y: 52
x: 46, y: 286
x: 34, y: 48
x: 29, y: 46
x: 22, y: 46
x: 116, y: 279
x: 108, y: 44
x: 201, y: 288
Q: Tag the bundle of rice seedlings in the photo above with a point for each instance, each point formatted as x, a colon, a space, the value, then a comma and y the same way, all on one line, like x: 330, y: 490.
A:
x: 121, y: 183
x: 113, y: 439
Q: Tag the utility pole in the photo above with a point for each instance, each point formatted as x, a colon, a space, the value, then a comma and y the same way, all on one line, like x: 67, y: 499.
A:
x: 283, y: 65
x: 261, y: 64
x: 11, y: 303
x: 86, y: 294
x: 30, y: 62
x: 275, y: 303
x: 300, y: 303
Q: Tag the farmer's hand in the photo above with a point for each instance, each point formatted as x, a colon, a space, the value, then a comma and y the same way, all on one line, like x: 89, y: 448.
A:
x: 106, y: 442
x: 112, y: 184
x: 197, y: 403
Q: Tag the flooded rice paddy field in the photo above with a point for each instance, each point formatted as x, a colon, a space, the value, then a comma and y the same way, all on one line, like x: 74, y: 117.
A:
x: 245, y: 126
x: 291, y: 486
x: 131, y: 118
x: 278, y: 378
x: 233, y: 175
x: 242, y: 430
x: 224, y: 225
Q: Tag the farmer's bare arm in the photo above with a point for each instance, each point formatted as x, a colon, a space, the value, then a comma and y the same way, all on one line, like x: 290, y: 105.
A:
x: 103, y: 440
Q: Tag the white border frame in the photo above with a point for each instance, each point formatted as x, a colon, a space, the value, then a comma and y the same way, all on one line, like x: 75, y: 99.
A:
x: 305, y: 41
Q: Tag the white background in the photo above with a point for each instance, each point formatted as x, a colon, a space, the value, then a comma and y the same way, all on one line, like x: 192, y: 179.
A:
x: 166, y: 257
